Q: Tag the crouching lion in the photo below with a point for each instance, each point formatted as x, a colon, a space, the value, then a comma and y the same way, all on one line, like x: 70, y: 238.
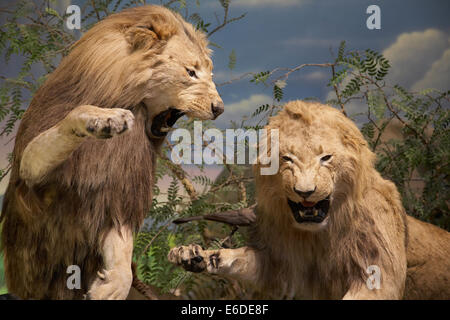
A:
x: 84, y: 155
x: 328, y: 226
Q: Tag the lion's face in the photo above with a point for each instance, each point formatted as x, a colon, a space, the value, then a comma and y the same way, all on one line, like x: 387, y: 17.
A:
x: 319, y: 161
x: 173, y: 68
x: 181, y: 83
x: 307, y: 178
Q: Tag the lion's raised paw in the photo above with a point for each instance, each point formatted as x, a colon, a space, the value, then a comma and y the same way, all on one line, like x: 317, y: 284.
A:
x: 100, y: 123
x: 191, y: 258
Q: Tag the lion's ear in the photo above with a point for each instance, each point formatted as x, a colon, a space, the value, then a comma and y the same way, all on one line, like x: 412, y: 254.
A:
x: 298, y: 110
x: 294, y: 113
x: 145, y: 35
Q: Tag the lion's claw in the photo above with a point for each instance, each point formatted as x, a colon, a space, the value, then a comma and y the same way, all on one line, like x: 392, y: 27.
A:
x: 115, y: 122
x: 191, y: 258
x: 101, y: 123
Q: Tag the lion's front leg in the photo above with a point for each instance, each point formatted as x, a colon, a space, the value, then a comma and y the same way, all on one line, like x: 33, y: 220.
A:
x: 241, y: 264
x: 114, y: 282
x: 49, y: 149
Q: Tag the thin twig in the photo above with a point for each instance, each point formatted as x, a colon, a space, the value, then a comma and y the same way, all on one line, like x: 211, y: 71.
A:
x: 391, y: 108
x: 156, y: 236
x: 5, y: 173
x: 95, y: 9
x: 233, y: 231
x: 181, y: 175
x: 291, y: 70
x: 226, y: 20
x: 242, y: 76
x: 336, y: 90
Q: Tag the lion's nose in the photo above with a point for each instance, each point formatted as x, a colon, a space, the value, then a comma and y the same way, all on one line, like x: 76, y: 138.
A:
x: 217, y: 108
x: 305, y: 194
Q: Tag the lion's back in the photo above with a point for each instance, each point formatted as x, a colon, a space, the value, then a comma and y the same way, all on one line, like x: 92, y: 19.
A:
x: 428, y: 255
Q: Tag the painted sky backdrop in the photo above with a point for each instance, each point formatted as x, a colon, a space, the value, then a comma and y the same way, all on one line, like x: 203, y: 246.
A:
x: 414, y: 36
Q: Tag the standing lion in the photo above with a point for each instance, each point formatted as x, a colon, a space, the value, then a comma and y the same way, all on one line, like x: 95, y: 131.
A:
x: 328, y: 226
x: 84, y: 156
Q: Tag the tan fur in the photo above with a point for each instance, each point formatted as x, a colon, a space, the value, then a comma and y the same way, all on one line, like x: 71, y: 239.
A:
x: 84, y: 155
x: 428, y: 256
x: 366, y: 224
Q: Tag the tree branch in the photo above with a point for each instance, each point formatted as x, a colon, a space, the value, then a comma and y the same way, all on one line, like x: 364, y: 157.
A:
x: 243, y: 217
x: 95, y: 9
x: 336, y: 90
x: 226, y: 20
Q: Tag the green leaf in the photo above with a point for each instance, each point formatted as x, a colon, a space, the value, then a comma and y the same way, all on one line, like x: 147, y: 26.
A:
x: 277, y: 93
x: 260, y: 77
x: 52, y: 12
x: 232, y: 60
x: 260, y: 110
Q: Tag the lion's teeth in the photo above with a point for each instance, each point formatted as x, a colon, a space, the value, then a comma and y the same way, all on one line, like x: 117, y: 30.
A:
x: 316, y: 212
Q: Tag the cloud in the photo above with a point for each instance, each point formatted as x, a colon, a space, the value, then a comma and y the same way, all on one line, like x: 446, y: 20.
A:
x: 419, y: 60
x: 316, y: 76
x: 245, y: 107
x: 417, y: 56
x: 438, y: 76
x: 222, y: 76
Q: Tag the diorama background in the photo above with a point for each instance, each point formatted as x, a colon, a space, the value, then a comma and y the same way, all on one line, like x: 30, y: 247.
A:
x: 414, y: 37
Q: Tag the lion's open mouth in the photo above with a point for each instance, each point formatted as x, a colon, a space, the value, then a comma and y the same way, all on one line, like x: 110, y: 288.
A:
x: 315, y: 213
x: 163, y: 122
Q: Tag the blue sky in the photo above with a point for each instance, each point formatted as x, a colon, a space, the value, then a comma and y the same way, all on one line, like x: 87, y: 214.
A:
x: 414, y: 35
x: 287, y: 33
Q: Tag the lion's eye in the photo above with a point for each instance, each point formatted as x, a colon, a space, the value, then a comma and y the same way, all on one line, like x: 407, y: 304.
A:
x: 325, y: 158
x: 287, y: 159
x: 191, y: 73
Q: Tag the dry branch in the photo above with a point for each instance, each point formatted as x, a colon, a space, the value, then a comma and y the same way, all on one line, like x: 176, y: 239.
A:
x: 242, y: 217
